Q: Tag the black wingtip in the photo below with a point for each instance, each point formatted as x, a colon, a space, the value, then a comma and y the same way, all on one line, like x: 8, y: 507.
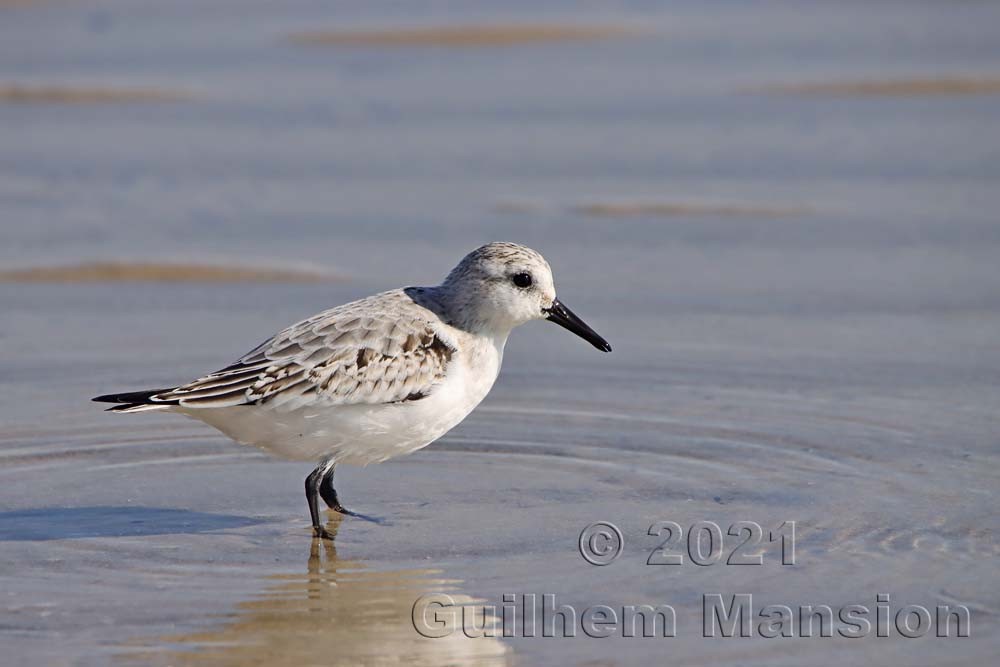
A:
x: 135, y: 397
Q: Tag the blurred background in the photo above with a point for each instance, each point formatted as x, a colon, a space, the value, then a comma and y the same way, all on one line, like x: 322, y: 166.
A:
x: 773, y: 136
x: 783, y: 215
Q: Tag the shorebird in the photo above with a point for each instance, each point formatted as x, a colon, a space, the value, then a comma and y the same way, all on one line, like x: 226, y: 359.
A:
x: 375, y: 378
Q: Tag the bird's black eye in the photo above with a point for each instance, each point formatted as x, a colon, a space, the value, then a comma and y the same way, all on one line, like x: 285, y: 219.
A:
x: 522, y: 280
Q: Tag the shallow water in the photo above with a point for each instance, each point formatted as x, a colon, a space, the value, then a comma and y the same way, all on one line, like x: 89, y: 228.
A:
x: 801, y: 291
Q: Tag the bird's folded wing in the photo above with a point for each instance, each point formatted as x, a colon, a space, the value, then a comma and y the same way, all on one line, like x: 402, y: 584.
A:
x: 339, y: 357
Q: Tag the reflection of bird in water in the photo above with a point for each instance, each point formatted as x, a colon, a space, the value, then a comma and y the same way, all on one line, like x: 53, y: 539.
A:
x: 337, y: 613
x: 376, y: 378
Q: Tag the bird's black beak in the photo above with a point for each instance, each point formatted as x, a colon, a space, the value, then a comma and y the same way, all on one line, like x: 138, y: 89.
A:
x: 565, y: 318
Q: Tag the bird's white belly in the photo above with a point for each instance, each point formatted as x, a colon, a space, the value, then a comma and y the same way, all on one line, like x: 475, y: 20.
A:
x: 361, y: 434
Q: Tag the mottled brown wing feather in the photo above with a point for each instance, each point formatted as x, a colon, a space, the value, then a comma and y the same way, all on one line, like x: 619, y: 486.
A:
x: 359, y: 353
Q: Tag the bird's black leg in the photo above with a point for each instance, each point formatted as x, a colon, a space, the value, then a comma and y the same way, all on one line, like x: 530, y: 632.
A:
x: 330, y: 494
x: 313, y: 483
x: 321, y: 479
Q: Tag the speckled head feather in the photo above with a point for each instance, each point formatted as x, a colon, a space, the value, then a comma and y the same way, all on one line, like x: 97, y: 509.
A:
x: 482, y: 292
x: 485, y: 259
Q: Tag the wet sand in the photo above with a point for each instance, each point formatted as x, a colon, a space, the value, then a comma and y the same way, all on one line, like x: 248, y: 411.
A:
x: 290, y: 621
x: 836, y: 366
x: 31, y: 94
x: 683, y: 209
x: 916, y: 87
x: 462, y: 36
x: 163, y: 273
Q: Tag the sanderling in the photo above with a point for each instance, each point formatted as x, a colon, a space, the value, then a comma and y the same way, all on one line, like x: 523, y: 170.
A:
x: 374, y: 378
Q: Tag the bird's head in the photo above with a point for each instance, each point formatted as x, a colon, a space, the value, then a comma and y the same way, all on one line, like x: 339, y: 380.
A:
x: 499, y: 286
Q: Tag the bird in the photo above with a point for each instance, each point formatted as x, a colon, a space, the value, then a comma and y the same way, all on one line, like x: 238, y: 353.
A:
x: 375, y: 378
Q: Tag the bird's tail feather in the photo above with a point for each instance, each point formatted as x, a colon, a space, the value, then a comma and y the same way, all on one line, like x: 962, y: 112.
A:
x: 139, y: 407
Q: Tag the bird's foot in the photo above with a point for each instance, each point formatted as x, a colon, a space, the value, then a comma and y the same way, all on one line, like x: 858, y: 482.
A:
x: 357, y: 515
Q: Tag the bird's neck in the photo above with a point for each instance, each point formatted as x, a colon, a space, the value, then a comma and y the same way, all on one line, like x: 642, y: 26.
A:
x: 462, y: 312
